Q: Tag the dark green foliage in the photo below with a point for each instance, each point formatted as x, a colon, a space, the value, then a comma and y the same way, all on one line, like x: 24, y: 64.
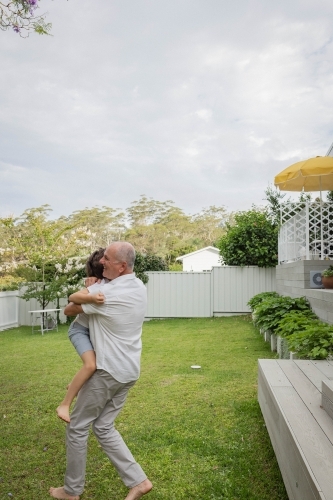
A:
x: 148, y: 262
x: 271, y: 311
x: 252, y: 241
x: 257, y: 299
x: 314, y: 342
x: 296, y: 321
x: 293, y: 320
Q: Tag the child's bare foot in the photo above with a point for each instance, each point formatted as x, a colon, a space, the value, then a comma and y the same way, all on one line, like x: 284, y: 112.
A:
x: 63, y: 413
x: 61, y: 494
x: 139, y: 490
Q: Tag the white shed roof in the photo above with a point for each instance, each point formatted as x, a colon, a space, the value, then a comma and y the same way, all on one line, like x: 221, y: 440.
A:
x: 209, y: 249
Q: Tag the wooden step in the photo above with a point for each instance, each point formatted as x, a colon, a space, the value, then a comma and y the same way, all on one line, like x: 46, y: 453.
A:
x: 301, y: 431
x: 327, y: 397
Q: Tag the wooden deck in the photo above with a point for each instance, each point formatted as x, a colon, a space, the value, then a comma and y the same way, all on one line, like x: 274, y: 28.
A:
x: 301, y: 431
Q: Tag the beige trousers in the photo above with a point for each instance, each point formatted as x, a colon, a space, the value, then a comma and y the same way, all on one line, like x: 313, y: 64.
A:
x: 98, y: 404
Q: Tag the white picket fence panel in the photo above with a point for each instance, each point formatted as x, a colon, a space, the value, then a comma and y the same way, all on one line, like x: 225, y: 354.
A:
x: 9, y: 310
x: 223, y: 291
x: 32, y: 305
x: 14, y: 311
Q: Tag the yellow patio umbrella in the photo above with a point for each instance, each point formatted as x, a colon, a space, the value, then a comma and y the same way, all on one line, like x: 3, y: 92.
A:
x: 314, y: 174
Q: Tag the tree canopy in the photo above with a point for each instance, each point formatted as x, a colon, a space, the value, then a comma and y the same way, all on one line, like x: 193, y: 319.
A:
x: 251, y: 241
x: 50, y: 254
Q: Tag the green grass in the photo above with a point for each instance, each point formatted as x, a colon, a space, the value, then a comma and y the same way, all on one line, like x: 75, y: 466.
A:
x: 198, y: 434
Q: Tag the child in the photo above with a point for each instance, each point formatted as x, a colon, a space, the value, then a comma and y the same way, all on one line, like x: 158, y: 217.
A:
x: 79, y: 334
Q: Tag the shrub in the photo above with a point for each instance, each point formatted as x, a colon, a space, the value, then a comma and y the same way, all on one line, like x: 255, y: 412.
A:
x: 293, y: 320
x: 296, y: 322
x: 315, y: 342
x: 148, y: 262
x: 257, y: 299
x: 9, y: 283
x: 272, y: 310
x: 251, y: 241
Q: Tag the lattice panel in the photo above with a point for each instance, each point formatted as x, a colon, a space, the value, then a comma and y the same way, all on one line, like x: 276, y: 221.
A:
x: 306, y: 231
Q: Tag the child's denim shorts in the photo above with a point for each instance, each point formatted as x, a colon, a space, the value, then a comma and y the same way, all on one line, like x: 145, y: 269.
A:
x: 79, y: 336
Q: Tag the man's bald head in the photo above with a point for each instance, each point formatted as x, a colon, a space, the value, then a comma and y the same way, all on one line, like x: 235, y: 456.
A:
x: 124, y: 252
x: 118, y: 259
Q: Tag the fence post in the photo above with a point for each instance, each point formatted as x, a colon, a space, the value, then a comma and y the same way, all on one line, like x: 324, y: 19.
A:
x: 212, y: 292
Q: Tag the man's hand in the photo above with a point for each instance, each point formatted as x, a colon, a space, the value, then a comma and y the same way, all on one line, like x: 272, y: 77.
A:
x: 98, y: 298
x: 91, y: 281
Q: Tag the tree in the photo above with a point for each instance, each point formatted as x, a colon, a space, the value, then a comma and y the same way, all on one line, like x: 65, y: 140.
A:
x: 210, y: 224
x: 165, y: 230
x: 20, y: 15
x: 33, y: 246
x: 146, y: 211
x: 274, y: 198
x: 33, y: 239
x: 54, y: 281
x: 157, y: 226
x: 148, y: 262
x: 252, y: 241
x: 101, y: 225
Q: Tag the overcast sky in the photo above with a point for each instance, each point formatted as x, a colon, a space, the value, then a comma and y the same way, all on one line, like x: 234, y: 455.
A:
x: 201, y: 102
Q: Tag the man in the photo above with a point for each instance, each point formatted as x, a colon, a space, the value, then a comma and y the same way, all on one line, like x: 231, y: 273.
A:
x: 115, y: 331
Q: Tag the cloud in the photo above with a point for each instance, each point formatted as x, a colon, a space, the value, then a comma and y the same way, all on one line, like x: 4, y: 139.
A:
x: 199, y: 102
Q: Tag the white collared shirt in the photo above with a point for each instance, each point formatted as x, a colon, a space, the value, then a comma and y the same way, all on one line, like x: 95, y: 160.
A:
x: 115, y: 327
x: 82, y: 318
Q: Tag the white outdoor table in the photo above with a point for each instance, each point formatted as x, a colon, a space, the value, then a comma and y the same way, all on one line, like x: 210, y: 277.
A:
x: 42, y: 312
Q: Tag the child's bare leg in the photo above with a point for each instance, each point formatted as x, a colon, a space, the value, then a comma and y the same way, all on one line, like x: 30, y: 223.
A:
x: 88, y: 368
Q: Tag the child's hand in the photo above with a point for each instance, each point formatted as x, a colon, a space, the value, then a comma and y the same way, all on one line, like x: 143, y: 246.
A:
x: 98, y: 298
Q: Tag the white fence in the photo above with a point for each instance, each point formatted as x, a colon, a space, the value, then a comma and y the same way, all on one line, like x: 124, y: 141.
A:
x: 9, y: 310
x: 179, y: 295
x: 14, y: 311
x: 233, y: 287
x: 223, y: 291
x: 306, y: 231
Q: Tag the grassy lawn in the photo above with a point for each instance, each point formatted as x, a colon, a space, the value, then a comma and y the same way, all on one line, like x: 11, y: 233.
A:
x: 198, y: 434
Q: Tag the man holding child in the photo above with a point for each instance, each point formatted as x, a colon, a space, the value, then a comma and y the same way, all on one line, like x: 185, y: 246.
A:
x: 115, y: 330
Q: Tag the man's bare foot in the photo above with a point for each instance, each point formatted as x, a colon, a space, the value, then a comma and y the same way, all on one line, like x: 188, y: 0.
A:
x: 63, y: 413
x: 61, y: 494
x: 139, y: 490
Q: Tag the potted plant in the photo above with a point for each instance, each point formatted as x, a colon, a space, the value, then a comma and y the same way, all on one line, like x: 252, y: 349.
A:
x: 327, y: 277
